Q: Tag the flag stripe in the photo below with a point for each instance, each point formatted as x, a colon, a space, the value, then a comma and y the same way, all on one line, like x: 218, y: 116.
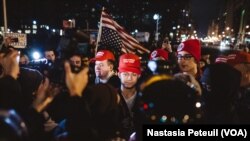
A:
x: 128, y: 49
x: 124, y: 35
x: 129, y: 44
x: 119, y: 28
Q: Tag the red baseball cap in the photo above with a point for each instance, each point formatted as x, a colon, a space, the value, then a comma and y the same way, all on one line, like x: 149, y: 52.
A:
x: 103, y: 55
x: 130, y: 63
x: 159, y: 53
x: 238, y: 58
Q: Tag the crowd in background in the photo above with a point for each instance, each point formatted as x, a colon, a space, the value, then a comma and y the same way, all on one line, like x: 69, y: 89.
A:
x: 73, y: 97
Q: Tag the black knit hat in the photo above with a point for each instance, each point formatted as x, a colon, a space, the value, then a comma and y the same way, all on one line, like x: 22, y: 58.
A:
x: 102, y: 98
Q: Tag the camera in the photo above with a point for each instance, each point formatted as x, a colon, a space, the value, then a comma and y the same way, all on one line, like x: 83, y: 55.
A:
x: 40, y: 64
x: 160, y: 67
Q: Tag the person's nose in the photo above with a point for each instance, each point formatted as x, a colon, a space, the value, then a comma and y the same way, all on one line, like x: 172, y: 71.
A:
x: 129, y: 77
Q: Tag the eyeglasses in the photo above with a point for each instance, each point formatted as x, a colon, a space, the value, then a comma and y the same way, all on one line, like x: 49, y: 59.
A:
x: 185, y: 57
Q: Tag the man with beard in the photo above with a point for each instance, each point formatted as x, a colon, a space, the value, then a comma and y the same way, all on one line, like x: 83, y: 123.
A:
x: 50, y: 55
x: 129, y: 73
x: 76, y: 62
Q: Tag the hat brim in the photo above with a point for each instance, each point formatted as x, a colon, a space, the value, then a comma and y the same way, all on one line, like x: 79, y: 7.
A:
x: 97, y: 59
x: 130, y: 69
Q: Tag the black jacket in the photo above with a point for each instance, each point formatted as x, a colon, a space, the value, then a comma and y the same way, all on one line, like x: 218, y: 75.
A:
x: 11, y: 98
x: 127, y: 118
x: 114, y: 81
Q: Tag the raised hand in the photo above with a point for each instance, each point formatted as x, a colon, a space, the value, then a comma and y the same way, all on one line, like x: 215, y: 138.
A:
x: 167, y: 46
x: 44, y: 95
x: 76, y: 83
x: 10, y: 64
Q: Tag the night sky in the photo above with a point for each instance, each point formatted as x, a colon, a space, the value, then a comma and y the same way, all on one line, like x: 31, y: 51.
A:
x: 203, y: 11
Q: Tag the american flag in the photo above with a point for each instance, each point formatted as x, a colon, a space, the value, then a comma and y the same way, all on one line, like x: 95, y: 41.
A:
x: 112, y: 36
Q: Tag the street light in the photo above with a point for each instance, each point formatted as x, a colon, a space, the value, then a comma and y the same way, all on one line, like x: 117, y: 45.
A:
x: 156, y: 17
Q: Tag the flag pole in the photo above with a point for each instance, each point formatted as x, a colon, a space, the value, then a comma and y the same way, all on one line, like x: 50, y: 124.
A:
x: 5, y: 17
x: 99, y: 32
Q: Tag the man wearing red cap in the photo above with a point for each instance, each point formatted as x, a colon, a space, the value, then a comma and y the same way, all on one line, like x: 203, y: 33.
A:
x: 104, y: 68
x: 159, y: 54
x: 189, y: 54
x: 241, y: 61
x: 129, y: 73
x: 159, y: 62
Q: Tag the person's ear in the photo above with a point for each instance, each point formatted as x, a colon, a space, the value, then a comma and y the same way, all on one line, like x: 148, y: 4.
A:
x: 119, y: 75
x: 111, y: 66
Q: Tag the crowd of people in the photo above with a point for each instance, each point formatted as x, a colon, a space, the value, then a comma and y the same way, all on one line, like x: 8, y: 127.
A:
x: 105, y: 98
